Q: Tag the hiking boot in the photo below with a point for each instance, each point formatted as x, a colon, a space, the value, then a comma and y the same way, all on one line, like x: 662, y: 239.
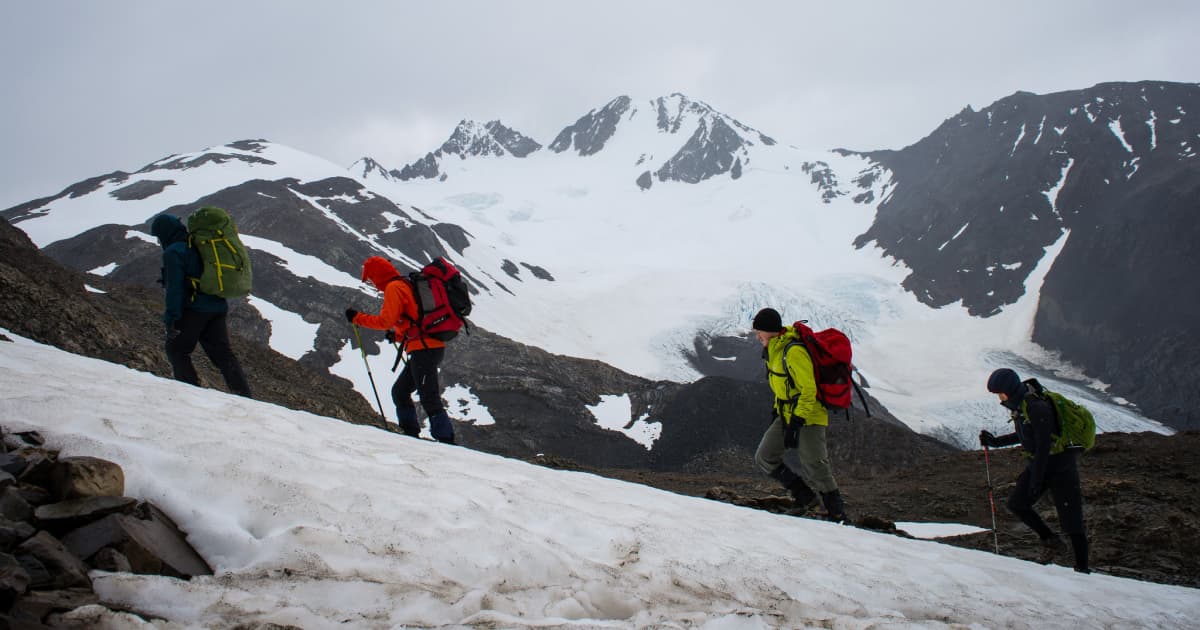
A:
x: 834, y: 506
x: 1079, y: 546
x: 1051, y: 548
x: 804, y: 497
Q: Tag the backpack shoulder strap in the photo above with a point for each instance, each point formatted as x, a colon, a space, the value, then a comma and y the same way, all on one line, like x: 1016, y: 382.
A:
x: 786, y: 348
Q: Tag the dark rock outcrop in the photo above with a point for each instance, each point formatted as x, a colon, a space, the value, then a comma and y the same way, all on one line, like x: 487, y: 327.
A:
x: 977, y: 202
x: 469, y: 139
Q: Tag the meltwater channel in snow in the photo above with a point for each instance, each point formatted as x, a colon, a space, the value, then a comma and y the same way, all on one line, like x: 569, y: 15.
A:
x: 316, y: 523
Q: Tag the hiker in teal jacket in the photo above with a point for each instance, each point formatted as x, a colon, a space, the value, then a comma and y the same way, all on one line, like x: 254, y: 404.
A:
x: 1035, y: 423
x: 793, y: 448
x: 190, y: 316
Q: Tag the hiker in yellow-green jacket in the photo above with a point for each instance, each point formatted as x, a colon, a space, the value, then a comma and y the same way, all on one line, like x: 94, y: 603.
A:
x: 793, y: 448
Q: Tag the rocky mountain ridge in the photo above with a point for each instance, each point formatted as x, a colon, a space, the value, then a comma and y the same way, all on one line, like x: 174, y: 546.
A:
x: 1109, y: 175
x: 710, y: 143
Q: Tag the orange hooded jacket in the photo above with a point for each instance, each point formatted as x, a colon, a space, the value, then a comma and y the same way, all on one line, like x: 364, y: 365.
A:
x: 399, y: 310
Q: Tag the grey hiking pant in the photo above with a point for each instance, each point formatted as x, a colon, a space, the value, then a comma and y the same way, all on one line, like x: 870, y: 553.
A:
x: 809, y: 459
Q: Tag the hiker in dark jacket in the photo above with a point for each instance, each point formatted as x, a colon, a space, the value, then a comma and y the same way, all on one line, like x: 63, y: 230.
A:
x: 793, y: 449
x: 1035, y: 422
x: 190, y: 316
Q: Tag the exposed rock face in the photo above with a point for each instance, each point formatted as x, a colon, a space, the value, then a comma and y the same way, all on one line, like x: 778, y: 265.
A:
x: 711, y: 151
x: 976, y: 204
x: 470, y: 139
x: 590, y: 133
x: 718, y: 144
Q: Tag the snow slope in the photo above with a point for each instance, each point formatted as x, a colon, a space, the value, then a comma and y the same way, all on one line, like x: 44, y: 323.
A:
x: 316, y: 523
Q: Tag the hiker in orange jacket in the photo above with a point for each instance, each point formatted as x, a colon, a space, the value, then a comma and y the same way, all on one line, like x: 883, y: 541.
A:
x: 398, y: 316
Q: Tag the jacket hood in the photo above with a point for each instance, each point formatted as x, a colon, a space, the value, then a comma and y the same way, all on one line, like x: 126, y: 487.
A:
x: 168, y: 229
x: 378, y: 271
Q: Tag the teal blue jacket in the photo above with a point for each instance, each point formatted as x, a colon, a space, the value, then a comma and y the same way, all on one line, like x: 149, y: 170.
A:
x: 180, y: 264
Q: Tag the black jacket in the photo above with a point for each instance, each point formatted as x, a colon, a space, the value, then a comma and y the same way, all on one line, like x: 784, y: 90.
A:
x: 1035, y: 423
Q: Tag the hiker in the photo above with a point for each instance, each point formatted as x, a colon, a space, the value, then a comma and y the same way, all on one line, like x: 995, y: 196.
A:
x: 192, y: 316
x: 420, y: 374
x: 1035, y: 421
x: 793, y: 448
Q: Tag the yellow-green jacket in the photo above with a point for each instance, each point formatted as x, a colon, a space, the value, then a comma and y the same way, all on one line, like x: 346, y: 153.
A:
x: 796, y: 398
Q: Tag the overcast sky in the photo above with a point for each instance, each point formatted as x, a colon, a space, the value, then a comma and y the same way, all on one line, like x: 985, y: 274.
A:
x: 92, y: 87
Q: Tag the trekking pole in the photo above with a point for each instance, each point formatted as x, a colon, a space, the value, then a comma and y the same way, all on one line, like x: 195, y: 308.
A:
x: 987, y: 467
x: 370, y: 376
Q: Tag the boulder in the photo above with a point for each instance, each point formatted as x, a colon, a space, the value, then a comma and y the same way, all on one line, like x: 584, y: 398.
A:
x: 13, y: 506
x: 79, y: 477
x: 111, y: 560
x: 13, y: 533
x: 12, y: 464
x: 152, y: 546
x: 34, y: 495
x: 53, y: 565
x: 14, y: 580
x: 37, y: 605
x: 38, y: 468
x: 76, y: 512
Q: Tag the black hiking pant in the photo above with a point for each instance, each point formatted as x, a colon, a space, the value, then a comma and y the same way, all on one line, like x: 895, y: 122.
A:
x: 420, y: 374
x: 1062, y: 480
x: 211, y: 332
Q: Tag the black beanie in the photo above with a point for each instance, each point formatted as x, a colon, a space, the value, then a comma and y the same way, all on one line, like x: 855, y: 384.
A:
x: 768, y: 320
x: 1004, y: 381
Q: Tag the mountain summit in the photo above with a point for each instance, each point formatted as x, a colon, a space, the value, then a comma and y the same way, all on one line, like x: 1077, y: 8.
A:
x: 470, y: 138
x: 716, y: 143
x: 671, y: 139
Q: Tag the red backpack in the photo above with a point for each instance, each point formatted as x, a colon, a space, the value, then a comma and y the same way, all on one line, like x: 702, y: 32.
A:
x: 443, y: 301
x: 831, y: 357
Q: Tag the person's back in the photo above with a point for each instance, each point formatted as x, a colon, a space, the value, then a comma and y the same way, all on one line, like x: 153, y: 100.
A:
x: 191, y: 316
x: 398, y: 315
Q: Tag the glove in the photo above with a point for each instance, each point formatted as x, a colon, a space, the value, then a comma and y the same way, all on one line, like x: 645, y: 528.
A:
x: 791, y: 433
x: 390, y: 335
x: 172, y: 332
x: 350, y: 313
x: 987, y: 439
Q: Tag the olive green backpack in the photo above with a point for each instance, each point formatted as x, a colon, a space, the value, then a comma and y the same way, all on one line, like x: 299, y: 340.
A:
x: 226, y: 270
x: 1076, y: 425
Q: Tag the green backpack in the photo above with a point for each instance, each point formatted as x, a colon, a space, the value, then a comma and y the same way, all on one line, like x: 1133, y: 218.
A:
x: 1076, y: 426
x: 226, y: 271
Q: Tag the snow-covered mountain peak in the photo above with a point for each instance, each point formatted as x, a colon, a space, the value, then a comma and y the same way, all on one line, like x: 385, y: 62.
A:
x: 470, y: 138
x: 367, y: 168
x: 674, y: 110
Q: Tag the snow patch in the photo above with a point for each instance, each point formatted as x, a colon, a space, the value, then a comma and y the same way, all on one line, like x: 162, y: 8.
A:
x: 615, y: 412
x: 1115, y: 127
x: 464, y: 405
x: 1052, y: 193
x: 290, y: 335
